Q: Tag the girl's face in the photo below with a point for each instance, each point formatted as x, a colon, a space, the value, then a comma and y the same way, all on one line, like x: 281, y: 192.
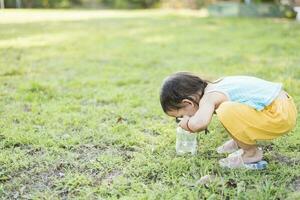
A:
x: 189, y: 109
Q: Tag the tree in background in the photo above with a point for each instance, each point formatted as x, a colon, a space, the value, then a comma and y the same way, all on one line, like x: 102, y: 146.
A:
x: 131, y: 4
x: 191, y: 4
x: 128, y: 4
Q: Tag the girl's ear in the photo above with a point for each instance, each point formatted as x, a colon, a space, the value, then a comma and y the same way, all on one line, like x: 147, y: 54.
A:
x: 187, y: 102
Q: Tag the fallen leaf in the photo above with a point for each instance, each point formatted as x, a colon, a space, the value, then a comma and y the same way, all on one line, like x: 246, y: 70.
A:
x: 120, y: 119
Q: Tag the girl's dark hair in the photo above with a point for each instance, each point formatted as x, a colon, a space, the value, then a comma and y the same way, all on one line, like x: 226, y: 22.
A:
x: 179, y: 86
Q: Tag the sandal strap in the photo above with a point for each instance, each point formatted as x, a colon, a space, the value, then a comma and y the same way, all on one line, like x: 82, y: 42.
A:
x: 223, y: 149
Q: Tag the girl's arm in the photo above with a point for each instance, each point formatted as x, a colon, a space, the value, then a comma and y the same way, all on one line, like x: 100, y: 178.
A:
x: 203, y: 116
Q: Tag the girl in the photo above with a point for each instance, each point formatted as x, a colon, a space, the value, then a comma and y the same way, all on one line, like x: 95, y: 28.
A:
x: 250, y: 108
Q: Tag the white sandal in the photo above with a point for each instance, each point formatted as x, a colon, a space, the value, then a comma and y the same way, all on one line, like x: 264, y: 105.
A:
x: 225, y: 149
x: 232, y: 162
x: 235, y: 160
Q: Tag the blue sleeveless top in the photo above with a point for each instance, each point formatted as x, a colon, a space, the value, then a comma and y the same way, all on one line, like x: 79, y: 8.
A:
x: 248, y: 90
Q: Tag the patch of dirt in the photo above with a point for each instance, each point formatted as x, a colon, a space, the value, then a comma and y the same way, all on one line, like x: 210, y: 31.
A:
x: 16, y: 121
x: 121, y: 119
x: 35, y: 151
x: 88, y: 151
x: 96, y: 102
x: 285, y: 159
x: 43, y: 176
x: 2, y: 137
x: 109, y: 178
x: 27, y: 108
x: 13, y: 72
x: 296, y: 184
x: 231, y: 183
x: 151, y: 132
x: 268, y: 147
x: 61, y: 166
x: 209, y: 154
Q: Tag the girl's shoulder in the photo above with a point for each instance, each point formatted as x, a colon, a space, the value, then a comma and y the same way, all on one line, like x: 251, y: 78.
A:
x: 214, y: 96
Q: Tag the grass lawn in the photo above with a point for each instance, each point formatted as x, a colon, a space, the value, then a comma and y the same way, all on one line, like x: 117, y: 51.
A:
x: 79, y: 105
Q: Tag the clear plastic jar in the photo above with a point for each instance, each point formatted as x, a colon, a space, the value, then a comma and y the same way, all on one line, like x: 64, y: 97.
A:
x: 186, y: 142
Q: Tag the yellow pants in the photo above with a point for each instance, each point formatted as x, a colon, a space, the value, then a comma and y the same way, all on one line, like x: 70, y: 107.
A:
x: 248, y: 125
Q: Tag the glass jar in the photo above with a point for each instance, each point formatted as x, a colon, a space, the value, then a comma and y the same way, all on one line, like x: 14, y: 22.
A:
x: 186, y: 142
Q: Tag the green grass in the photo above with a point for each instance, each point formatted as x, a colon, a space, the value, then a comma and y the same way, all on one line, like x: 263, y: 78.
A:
x: 80, y: 114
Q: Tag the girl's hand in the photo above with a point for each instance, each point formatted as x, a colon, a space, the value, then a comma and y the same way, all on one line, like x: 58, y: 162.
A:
x: 183, y: 122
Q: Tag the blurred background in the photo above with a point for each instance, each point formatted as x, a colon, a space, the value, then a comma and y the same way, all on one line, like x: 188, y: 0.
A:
x: 255, y: 8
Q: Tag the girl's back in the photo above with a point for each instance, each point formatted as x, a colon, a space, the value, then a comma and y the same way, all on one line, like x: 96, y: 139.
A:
x: 252, y: 91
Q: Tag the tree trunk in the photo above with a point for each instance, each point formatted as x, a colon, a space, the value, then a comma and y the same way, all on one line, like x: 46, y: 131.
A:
x: 28, y: 3
x: 2, y: 4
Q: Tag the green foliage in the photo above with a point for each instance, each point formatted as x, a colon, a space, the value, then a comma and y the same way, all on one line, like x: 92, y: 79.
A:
x: 42, y: 3
x: 191, y: 4
x: 80, y: 116
x: 123, y: 4
x: 130, y: 3
x: 251, y: 10
x: 288, y: 11
x: 71, y: 182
